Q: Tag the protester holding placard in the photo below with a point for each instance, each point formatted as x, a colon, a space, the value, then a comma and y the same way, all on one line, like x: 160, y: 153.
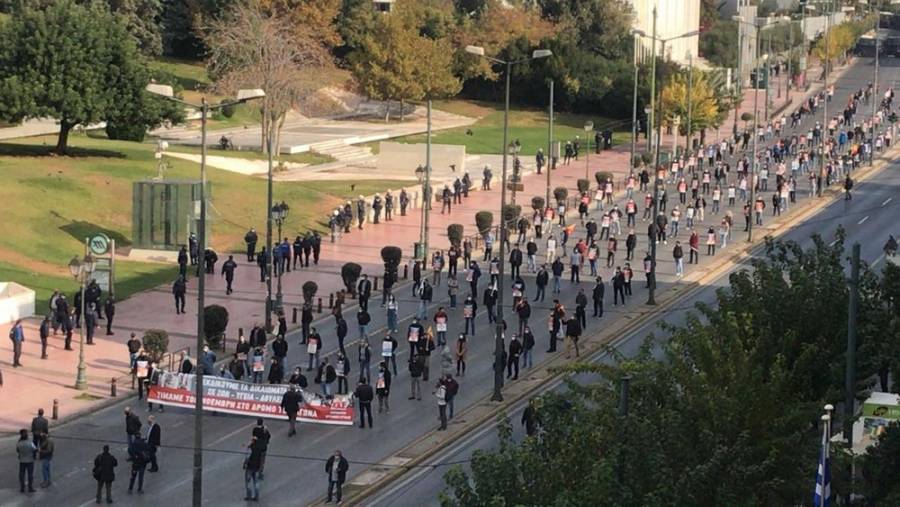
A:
x: 389, y: 351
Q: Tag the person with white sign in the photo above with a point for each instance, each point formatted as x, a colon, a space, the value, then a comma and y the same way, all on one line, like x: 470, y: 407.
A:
x: 440, y: 325
x: 413, y: 334
x: 389, y: 351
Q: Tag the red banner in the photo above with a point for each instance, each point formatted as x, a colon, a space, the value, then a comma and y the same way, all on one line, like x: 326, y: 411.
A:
x: 245, y: 398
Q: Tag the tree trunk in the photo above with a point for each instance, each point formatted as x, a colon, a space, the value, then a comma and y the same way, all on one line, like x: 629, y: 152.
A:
x: 276, y: 144
x: 401, y: 110
x: 883, y: 379
x: 387, y: 111
x: 62, y: 141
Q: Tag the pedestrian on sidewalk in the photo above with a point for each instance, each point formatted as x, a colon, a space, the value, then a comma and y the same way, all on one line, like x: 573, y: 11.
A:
x: 182, y: 261
x: 581, y: 308
x: 392, y: 314
x: 44, y: 333
x: 228, y: 268
x: 678, y: 256
x: 342, y: 368
x: 711, y: 241
x: 25, y: 450
x: 313, y: 348
x: 17, y: 336
x: 364, y: 291
x: 618, y: 283
x: 364, y: 358
x: 45, y: 454
x: 336, y: 467
x: 440, y: 392
x: 179, y: 289
x: 383, y: 387
x: 364, y: 395
x: 139, y: 456
x: 104, y: 473
x: 132, y: 426
x: 416, y: 369
x: 512, y: 361
x: 597, y: 295
x: 290, y: 403
x: 573, y: 332
x: 389, y: 351
x: 490, y: 301
x: 250, y: 239
x: 425, y: 296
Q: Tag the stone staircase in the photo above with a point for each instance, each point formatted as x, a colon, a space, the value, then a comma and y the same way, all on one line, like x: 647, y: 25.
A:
x: 341, y: 151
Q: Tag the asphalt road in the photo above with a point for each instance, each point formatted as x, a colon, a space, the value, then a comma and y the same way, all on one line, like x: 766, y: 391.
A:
x: 868, y: 218
x: 295, y: 467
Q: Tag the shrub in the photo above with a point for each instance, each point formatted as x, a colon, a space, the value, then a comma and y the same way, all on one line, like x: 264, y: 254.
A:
x: 215, y: 321
x: 227, y: 111
x: 156, y: 344
x: 646, y: 158
x: 484, y: 220
x: 309, y: 291
x: 127, y: 132
x: 745, y: 117
x: 511, y: 213
x: 583, y: 185
x: 455, y: 234
x: 602, y: 177
x: 637, y: 161
x: 350, y: 274
x: 538, y: 203
x: 391, y: 255
x: 560, y: 193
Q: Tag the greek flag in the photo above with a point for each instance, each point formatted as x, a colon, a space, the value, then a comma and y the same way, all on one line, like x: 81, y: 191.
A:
x: 822, y: 495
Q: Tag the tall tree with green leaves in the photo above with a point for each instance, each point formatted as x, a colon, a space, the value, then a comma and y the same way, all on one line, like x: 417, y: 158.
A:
x: 142, y: 20
x: 71, y: 62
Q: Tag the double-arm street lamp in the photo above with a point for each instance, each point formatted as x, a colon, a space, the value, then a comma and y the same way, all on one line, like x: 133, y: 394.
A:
x: 588, y: 129
x: 204, y: 107
x: 651, y: 298
x: 279, y: 214
x: 81, y: 270
x: 498, y: 343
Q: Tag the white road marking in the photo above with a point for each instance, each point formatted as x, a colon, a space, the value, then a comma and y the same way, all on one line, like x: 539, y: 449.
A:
x: 887, y: 201
x: 863, y: 220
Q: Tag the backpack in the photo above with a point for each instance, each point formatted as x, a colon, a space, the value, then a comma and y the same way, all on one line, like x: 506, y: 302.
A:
x: 12, y: 333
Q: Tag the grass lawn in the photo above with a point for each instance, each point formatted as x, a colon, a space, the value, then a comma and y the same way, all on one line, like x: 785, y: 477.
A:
x: 54, y: 202
x: 529, y: 126
x: 300, y: 158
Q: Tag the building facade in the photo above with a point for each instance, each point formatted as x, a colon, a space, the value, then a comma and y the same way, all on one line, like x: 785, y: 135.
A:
x: 673, y: 18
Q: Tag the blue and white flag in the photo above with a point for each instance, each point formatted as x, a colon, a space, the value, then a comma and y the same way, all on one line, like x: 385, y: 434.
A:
x: 822, y: 495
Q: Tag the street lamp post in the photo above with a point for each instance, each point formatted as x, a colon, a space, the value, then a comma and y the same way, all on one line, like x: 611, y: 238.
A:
x: 875, y: 96
x: 690, y: 103
x: 634, y: 102
x: 514, y: 149
x: 676, y: 123
x: 279, y: 214
x: 588, y: 129
x: 243, y: 96
x: 81, y: 271
x: 424, y: 177
x: 498, y: 337
x: 550, y: 164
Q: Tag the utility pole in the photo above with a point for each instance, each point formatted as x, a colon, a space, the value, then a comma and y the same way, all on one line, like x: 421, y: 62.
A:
x: 550, y: 165
x: 426, y: 192
x: 822, y: 174
x: 754, y: 162
x: 498, y: 337
x: 651, y: 293
x: 740, y: 75
x: 197, y: 483
x: 634, y: 102
x: 652, y: 87
x: 690, y: 102
x: 875, y: 96
x: 768, y: 56
x: 850, y: 378
x: 267, y: 125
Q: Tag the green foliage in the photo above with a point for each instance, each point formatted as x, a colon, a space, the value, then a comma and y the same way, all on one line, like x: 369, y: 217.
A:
x: 560, y: 194
x: 455, y: 234
x: 215, y: 321
x: 719, y: 44
x: 511, y: 213
x: 538, y: 203
x: 603, y: 176
x: 484, y: 220
x: 309, y: 290
x: 583, y: 185
x: 142, y: 20
x: 880, y: 467
x: 156, y: 343
x: 350, y: 274
x: 75, y: 63
x: 722, y: 410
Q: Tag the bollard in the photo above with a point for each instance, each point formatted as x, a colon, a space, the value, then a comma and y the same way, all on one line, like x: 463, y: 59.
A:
x: 375, y: 285
x: 331, y: 301
x: 320, y: 305
x: 55, y: 415
x: 112, y: 387
x: 406, y: 271
x: 294, y: 314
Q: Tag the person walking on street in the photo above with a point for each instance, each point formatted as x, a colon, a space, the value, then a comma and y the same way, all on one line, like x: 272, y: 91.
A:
x: 179, y: 289
x: 228, y: 268
x: 573, y: 332
x: 383, y: 387
x: 139, y: 456
x: 154, y: 441
x: 104, y: 473
x: 512, y: 361
x: 848, y: 185
x: 336, y: 467
x: 597, y: 296
x: 17, y: 335
x: 440, y: 392
x: 25, y: 450
x: 415, y: 375
x: 290, y: 402
x: 110, y: 308
x: 364, y: 394
x: 45, y: 335
x: 250, y: 239
x: 39, y: 426
x: 253, y: 466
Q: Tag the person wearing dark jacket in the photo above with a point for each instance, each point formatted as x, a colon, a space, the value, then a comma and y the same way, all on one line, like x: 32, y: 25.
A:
x: 110, y: 308
x: 581, y: 308
x: 383, y: 387
x: 364, y: 394
x: 527, y: 347
x: 228, y: 268
x: 154, y: 441
x: 364, y: 291
x: 182, y: 261
x: 336, y: 467
x: 530, y: 418
x: 490, y: 300
x: 290, y: 402
x: 179, y: 289
x: 280, y: 349
x: 139, y: 456
x: 599, y: 291
x: 618, y: 286
x: 512, y: 362
x: 253, y: 466
x: 416, y: 369
x: 276, y: 372
x: 251, y: 238
x: 262, y: 260
x: 132, y: 426
x: 540, y: 281
x: 105, y: 473
x: 630, y: 245
x: 515, y: 262
x: 523, y: 310
x: 573, y: 332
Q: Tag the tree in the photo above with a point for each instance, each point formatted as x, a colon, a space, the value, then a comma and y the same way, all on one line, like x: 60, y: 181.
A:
x: 719, y: 44
x: 142, y: 20
x: 722, y: 411
x: 675, y: 100
x: 310, y: 19
x: 250, y: 48
x: 215, y: 322
x: 72, y: 62
x: 156, y: 343
x: 880, y: 466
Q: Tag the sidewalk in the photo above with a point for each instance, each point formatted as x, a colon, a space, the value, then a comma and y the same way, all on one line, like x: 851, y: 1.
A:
x: 45, y: 380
